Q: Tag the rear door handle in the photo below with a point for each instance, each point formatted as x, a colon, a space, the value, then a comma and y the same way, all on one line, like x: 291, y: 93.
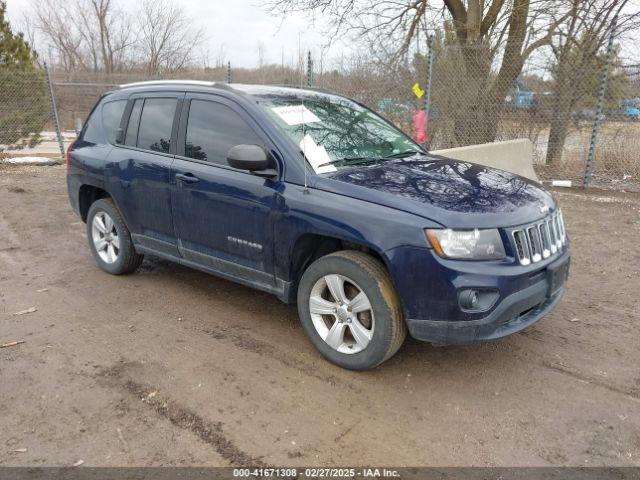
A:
x: 187, y: 178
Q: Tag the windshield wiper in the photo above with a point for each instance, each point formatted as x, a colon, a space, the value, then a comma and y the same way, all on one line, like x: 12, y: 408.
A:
x: 406, y: 153
x: 363, y: 160
x: 352, y: 161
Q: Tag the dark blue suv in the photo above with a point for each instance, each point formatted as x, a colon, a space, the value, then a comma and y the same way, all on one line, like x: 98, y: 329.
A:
x: 314, y: 198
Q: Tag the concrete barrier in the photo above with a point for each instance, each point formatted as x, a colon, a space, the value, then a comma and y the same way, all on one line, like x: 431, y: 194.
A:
x: 515, y: 156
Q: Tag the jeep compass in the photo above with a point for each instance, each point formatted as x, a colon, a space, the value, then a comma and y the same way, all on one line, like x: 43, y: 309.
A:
x: 318, y: 200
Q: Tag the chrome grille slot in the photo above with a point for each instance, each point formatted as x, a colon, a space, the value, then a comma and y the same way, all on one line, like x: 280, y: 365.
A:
x: 556, y: 225
x: 522, y: 247
x: 552, y: 236
x: 534, y: 243
x: 546, y: 242
x: 539, y: 240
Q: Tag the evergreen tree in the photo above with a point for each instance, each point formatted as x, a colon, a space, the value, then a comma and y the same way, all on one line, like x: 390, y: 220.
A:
x: 15, y: 51
x: 24, y: 105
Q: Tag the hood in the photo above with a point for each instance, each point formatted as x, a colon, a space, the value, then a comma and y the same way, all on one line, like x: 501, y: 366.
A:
x: 452, y: 193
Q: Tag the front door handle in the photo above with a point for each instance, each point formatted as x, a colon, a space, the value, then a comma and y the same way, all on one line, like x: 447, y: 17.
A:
x: 187, y: 178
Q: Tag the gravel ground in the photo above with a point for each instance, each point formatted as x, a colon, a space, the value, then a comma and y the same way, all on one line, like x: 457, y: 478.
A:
x: 170, y: 366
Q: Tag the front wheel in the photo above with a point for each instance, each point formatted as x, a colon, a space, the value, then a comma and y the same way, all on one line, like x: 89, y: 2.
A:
x: 350, y: 311
x: 110, y: 240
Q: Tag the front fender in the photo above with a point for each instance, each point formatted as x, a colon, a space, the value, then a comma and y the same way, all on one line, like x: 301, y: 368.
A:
x: 310, y: 211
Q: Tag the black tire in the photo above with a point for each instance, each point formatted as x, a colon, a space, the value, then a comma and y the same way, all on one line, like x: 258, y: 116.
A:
x: 127, y: 260
x: 372, y: 278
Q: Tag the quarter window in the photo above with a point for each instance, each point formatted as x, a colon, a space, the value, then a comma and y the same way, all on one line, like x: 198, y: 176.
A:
x: 212, y: 129
x: 91, y: 132
x: 111, y: 115
x: 156, y: 123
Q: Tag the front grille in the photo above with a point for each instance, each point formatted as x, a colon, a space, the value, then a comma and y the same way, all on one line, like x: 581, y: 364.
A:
x: 539, y: 240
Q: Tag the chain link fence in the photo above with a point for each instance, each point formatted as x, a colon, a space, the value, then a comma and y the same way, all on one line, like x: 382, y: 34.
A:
x: 387, y: 90
x: 555, y: 104
x: 25, y: 109
x: 580, y: 111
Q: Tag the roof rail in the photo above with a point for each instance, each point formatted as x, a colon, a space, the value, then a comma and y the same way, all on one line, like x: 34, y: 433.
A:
x: 305, y: 87
x: 167, y: 82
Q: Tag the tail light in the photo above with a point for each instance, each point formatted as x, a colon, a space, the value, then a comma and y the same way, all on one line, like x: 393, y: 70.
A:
x: 68, y: 157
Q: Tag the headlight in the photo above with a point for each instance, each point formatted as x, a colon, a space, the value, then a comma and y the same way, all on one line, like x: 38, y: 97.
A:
x: 467, y: 244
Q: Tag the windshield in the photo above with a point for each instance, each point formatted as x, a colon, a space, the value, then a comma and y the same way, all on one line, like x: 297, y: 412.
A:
x: 334, y: 132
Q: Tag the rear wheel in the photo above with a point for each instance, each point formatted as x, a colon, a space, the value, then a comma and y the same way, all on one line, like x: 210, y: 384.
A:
x: 350, y: 311
x: 110, y: 240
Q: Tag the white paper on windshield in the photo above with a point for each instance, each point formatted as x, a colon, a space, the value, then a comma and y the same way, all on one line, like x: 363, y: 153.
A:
x: 296, y: 114
x: 316, y: 155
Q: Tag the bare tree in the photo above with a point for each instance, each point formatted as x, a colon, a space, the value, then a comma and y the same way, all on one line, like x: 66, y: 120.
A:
x: 99, y: 35
x: 221, y: 57
x: 168, y: 37
x: 114, y: 33
x: 86, y: 34
x: 27, y: 27
x: 261, y: 54
x: 51, y: 20
x: 494, y: 39
x: 578, y: 60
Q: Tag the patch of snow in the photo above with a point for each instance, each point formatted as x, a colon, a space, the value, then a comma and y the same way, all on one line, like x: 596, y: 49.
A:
x: 609, y: 200
x: 597, y: 199
x: 52, y: 137
x: 31, y: 161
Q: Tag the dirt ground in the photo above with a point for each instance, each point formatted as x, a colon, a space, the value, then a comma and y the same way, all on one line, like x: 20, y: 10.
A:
x: 170, y: 366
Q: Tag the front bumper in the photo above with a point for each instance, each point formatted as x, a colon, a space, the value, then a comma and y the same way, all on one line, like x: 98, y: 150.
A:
x: 514, y: 313
x: 429, y: 295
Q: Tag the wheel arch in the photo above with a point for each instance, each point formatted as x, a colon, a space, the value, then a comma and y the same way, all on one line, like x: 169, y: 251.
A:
x: 308, y: 247
x: 87, y: 195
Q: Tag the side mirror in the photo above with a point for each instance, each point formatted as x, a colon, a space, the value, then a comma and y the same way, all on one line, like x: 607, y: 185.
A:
x: 250, y: 157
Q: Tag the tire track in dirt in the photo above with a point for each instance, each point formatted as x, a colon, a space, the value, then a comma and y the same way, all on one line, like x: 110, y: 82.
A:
x: 631, y: 393
x: 210, y: 432
x: 11, y: 242
x: 260, y: 347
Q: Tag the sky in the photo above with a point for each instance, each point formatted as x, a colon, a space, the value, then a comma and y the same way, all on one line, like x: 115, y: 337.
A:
x: 238, y: 27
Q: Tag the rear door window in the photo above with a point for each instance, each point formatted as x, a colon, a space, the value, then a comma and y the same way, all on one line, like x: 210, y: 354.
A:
x: 212, y: 129
x: 156, y: 122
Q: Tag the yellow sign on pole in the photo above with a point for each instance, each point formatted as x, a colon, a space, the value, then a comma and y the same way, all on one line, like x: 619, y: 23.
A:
x: 417, y: 90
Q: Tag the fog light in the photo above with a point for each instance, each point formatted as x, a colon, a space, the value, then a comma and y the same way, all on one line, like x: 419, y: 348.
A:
x: 477, y: 299
x: 469, y: 299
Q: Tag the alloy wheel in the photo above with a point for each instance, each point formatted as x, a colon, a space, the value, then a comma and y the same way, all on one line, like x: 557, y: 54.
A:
x: 341, y: 313
x: 105, y: 237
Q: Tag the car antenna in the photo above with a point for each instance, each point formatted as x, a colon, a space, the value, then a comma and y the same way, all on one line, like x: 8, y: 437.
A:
x: 304, y: 141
